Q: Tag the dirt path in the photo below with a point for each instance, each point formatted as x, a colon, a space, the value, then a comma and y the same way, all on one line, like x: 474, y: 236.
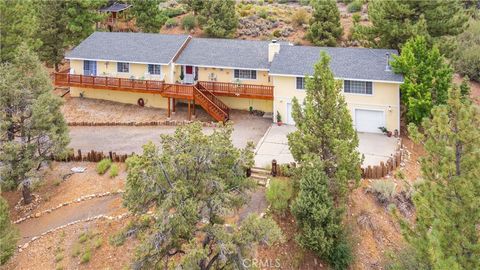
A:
x: 257, y: 204
x: 77, y: 211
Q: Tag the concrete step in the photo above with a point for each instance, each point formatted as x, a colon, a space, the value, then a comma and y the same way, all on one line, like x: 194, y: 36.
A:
x: 264, y: 183
x: 260, y: 171
x: 258, y: 176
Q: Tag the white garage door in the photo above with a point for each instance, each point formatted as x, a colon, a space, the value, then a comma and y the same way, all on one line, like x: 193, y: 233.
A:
x: 369, y: 120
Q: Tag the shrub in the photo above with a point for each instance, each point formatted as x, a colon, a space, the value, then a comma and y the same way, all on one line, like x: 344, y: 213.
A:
x: 262, y: 13
x: 188, y: 22
x: 86, y: 256
x: 278, y: 195
x: 103, y: 165
x: 300, y: 17
x: 58, y: 257
x: 383, y: 189
x: 287, y: 170
x: 304, y: 2
x: 354, y: 6
x: 467, y: 55
x: 113, y: 170
x: 173, y: 12
x: 170, y: 23
x: 8, y: 233
x: 341, y: 255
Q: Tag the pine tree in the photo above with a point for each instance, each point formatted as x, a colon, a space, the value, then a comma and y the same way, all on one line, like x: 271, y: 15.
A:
x: 325, y: 27
x: 319, y: 221
x: 194, y: 5
x: 427, y: 78
x: 221, y: 18
x: 324, y: 129
x: 193, y: 183
x: 8, y: 233
x: 445, y: 234
x: 32, y: 127
x: 63, y: 24
x: 394, y: 22
x: 148, y: 16
x: 18, y: 24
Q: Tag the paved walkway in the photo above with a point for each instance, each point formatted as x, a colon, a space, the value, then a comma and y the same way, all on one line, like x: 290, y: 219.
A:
x: 274, y: 145
x: 64, y: 215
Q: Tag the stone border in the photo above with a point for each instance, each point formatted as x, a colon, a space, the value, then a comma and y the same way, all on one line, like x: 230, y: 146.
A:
x: 119, y: 217
x: 81, y: 199
x: 166, y: 122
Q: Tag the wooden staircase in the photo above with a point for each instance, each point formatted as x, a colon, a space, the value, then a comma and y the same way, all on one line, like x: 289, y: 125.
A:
x: 211, y: 103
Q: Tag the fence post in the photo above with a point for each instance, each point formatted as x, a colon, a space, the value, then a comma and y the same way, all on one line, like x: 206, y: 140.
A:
x: 274, y: 168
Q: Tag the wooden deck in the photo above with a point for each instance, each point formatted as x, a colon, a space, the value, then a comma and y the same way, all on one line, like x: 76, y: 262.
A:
x: 203, y: 93
x: 152, y: 86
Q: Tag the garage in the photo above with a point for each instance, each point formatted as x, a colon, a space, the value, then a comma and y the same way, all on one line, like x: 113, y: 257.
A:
x: 369, y: 120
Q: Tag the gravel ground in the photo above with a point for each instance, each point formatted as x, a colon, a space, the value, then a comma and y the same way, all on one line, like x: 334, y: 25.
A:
x: 128, y: 139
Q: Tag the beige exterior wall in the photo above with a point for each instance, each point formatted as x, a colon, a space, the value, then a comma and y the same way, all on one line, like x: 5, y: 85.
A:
x: 386, y: 98
x: 245, y: 103
x: 225, y: 75
x: 137, y: 71
x: 151, y: 100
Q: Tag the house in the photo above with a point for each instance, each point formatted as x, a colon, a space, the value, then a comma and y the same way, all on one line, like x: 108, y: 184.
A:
x: 221, y: 74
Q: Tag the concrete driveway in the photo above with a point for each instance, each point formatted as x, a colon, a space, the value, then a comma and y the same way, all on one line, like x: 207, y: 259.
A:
x: 274, y: 145
x: 128, y: 139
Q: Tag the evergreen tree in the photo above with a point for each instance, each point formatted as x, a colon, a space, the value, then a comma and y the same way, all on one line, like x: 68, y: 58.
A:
x: 148, y: 16
x: 324, y: 129
x: 467, y: 54
x: 194, y: 5
x: 319, y: 221
x: 427, y: 78
x: 63, y: 24
x: 445, y: 234
x: 18, y: 23
x: 193, y: 183
x: 325, y: 27
x: 394, y: 22
x: 8, y: 233
x: 221, y: 18
x: 32, y: 127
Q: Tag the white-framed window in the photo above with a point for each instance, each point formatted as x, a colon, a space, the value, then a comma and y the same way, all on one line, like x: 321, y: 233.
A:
x: 154, y: 69
x: 245, y: 74
x: 301, y: 83
x: 357, y: 87
x: 123, y: 67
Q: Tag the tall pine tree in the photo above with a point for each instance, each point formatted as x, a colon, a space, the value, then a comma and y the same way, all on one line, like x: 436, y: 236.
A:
x: 18, y: 24
x: 148, y: 16
x: 63, y: 24
x: 394, y: 22
x: 221, y: 18
x: 325, y: 27
x: 445, y: 234
x: 325, y: 144
x: 32, y: 127
x: 427, y: 78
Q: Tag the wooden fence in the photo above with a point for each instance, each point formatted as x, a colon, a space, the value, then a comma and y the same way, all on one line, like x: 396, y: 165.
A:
x: 92, y: 156
x: 384, y: 168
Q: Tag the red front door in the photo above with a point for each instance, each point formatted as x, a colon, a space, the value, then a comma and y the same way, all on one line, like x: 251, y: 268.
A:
x: 189, y: 70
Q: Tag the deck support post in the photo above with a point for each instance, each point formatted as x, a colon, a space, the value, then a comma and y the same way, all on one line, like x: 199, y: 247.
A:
x: 173, y: 105
x: 194, y: 115
x: 168, y: 108
x: 189, y: 111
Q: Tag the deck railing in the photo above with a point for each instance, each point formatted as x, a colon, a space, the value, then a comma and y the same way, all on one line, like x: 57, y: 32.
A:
x: 238, y: 90
x: 123, y: 84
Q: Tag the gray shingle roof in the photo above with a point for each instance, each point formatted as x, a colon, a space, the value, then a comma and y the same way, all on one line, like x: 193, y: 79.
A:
x: 347, y: 63
x: 233, y: 53
x: 129, y: 47
x: 115, y: 7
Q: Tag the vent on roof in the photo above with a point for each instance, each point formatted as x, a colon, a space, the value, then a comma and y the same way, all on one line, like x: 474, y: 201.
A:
x: 387, y: 66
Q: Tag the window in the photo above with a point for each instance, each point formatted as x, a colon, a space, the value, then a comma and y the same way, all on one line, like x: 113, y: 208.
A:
x: 245, y: 74
x: 89, y: 68
x: 357, y: 87
x: 301, y: 83
x: 123, y: 67
x: 155, y: 69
